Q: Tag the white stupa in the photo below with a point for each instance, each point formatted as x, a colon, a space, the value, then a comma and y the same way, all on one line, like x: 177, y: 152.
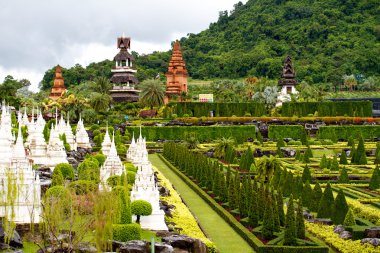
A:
x: 112, y: 165
x: 36, y: 142
x: 70, y: 139
x: 106, y: 144
x: 81, y: 136
x: 27, y: 197
x: 5, y: 146
x: 56, y: 152
x: 145, y: 187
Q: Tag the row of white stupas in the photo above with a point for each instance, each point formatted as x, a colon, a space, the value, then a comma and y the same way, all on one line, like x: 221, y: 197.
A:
x: 145, y: 186
x: 23, y: 204
x: 52, y: 153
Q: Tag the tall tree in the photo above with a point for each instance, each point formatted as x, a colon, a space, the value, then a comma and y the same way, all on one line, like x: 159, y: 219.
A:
x: 266, y: 167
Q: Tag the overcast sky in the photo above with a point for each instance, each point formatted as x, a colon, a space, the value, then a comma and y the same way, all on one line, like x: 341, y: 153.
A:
x: 36, y: 35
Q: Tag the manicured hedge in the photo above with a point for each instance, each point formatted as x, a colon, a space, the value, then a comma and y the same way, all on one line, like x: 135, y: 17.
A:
x: 276, y: 132
x: 345, y: 132
x: 250, y: 238
x: 219, y: 109
x: 202, y: 133
x: 126, y: 232
x: 337, y: 108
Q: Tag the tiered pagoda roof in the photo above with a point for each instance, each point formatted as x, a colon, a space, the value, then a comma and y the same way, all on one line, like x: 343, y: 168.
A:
x: 177, y: 73
x: 59, y: 85
x: 288, y: 73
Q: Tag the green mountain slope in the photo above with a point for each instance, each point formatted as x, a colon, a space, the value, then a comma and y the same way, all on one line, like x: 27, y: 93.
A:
x: 326, y: 38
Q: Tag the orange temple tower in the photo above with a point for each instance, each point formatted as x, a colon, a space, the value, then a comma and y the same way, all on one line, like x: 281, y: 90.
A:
x: 176, y: 77
x: 59, y: 85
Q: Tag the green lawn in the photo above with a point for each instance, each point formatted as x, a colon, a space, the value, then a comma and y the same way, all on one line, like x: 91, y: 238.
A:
x: 225, y: 237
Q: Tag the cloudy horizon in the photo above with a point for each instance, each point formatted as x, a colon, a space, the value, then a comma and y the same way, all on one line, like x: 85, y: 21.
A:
x: 40, y: 34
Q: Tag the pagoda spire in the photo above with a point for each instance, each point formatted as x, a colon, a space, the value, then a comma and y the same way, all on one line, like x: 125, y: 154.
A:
x: 176, y: 84
x: 59, y: 85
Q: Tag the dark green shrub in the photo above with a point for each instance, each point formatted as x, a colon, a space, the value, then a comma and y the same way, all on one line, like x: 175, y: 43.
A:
x: 306, y: 175
x: 307, y: 194
x: 341, y: 208
x: 268, y: 222
x: 94, y: 127
x: 300, y: 222
x: 290, y: 236
x: 89, y: 170
x: 126, y: 232
x: 277, y: 132
x: 349, y: 220
x: 123, y: 214
x: 326, y: 205
x: 82, y: 187
x: 323, y: 162
x: 343, y: 158
x: 66, y: 169
x: 316, y: 198
x: 375, y: 179
x: 347, y: 131
x: 343, y: 178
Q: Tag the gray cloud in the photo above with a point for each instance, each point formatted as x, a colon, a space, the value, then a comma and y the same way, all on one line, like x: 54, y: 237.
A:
x: 40, y: 33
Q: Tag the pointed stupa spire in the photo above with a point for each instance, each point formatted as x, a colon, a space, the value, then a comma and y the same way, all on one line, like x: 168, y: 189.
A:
x: 18, y: 149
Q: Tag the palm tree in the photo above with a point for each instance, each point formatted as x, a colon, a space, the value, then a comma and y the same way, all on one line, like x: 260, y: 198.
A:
x: 100, y: 102
x: 101, y: 85
x: 222, y: 145
x: 152, y: 93
x: 266, y: 166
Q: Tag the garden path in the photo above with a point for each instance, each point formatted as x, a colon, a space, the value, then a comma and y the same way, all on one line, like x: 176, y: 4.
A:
x: 219, y: 231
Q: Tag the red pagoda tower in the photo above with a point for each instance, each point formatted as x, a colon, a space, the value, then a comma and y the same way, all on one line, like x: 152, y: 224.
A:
x: 176, y: 77
x: 58, y: 88
x: 123, y: 75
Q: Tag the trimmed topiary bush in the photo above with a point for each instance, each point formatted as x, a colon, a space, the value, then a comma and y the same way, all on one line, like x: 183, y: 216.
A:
x: 57, y: 178
x: 101, y: 158
x: 113, y: 181
x: 131, y: 176
x: 343, y: 158
x: 375, y: 179
x: 141, y: 207
x: 82, y: 187
x: 126, y: 232
x: 66, y: 169
x: 343, y: 178
x: 58, y: 195
x: 306, y: 175
x: 290, y: 237
x: 123, y: 214
x: 349, y: 220
x: 326, y: 206
x: 341, y: 208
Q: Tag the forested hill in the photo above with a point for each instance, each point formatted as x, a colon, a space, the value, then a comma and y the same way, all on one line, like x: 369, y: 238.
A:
x: 326, y: 39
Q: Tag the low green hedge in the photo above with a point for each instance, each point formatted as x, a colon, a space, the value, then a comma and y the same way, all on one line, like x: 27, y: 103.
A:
x: 336, y: 108
x: 296, y: 132
x: 250, y: 238
x: 202, y: 133
x: 126, y: 232
x: 344, y: 132
x: 196, y: 109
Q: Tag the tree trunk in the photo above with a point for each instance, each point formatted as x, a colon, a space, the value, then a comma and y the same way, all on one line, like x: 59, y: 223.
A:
x: 138, y: 219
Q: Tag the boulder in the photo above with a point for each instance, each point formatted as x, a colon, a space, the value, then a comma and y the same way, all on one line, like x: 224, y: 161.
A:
x: 372, y: 232
x: 322, y: 221
x: 116, y: 245
x: 374, y: 241
x: 345, y: 235
x: 16, y: 241
x: 339, y: 229
x: 86, y: 248
x: 199, y: 247
x: 179, y: 241
x: 307, y: 215
x: 163, y: 248
x: 135, y: 246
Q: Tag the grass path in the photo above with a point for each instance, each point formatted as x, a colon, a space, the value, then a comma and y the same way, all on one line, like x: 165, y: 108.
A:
x: 225, y: 237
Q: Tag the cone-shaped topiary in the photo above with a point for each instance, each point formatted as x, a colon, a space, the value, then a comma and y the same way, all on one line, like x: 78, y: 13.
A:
x: 316, y: 198
x: 268, y: 223
x: 340, y: 209
x: 334, y: 164
x: 307, y: 194
x: 280, y: 207
x: 300, y: 222
x: 306, y: 175
x: 343, y: 158
x: 323, y: 162
x: 326, y: 205
x: 290, y: 237
x: 343, y: 178
x: 349, y: 220
x: 259, y: 137
x: 375, y: 179
x: 276, y: 218
x: 253, y: 218
x: 57, y: 178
